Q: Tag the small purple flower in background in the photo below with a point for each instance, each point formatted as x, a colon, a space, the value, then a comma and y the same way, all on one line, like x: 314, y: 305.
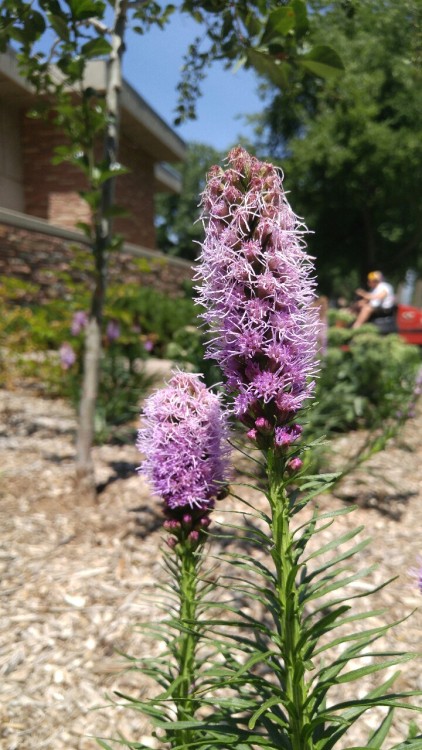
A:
x: 67, y: 356
x: 148, y: 345
x: 79, y: 322
x: 112, y: 330
x: 258, y: 291
x: 416, y: 574
x: 183, y: 439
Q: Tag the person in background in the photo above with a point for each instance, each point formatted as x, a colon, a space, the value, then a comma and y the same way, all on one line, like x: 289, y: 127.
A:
x: 378, y: 302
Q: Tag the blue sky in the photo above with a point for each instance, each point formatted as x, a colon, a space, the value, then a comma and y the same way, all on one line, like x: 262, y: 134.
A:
x: 152, y: 63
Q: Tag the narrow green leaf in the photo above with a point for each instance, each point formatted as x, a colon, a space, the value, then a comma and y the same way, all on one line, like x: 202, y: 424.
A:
x: 377, y: 738
x: 413, y: 743
x: 386, y: 700
x: 363, y: 594
x: 334, y: 543
x: 323, y: 625
x: 319, y: 590
x: 261, y: 710
x: 378, y: 631
x: 317, y: 517
x: 356, y: 674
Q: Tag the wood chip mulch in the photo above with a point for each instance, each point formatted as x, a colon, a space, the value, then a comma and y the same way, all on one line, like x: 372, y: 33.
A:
x: 77, y: 578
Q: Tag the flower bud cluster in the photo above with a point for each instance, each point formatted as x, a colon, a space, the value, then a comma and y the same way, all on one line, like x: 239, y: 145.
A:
x: 187, y: 528
x: 257, y: 288
x: 183, y: 440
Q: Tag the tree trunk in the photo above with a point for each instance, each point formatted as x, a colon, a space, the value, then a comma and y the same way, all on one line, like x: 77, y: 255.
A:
x: 85, y: 475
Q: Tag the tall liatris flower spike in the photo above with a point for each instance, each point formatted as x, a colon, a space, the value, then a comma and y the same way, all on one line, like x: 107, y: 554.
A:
x: 257, y: 288
x: 183, y: 439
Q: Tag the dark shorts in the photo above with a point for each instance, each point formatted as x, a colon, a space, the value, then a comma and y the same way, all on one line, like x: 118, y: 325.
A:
x: 379, y: 312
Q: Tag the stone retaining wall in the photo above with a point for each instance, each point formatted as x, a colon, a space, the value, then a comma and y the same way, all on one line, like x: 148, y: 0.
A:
x: 50, y: 262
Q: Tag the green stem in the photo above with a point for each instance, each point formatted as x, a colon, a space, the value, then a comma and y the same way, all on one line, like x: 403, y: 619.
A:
x: 187, y: 642
x: 290, y: 611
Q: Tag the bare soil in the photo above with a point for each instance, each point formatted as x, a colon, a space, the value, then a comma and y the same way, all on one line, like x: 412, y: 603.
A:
x: 77, y: 578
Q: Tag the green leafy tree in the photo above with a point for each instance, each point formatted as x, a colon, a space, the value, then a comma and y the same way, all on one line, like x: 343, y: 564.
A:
x: 177, y: 228
x: 351, y: 149
x: 258, y: 33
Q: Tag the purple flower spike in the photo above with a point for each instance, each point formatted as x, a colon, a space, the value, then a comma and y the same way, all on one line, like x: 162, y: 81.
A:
x: 183, y: 439
x: 67, y: 356
x: 79, y: 322
x: 113, y: 330
x: 257, y: 288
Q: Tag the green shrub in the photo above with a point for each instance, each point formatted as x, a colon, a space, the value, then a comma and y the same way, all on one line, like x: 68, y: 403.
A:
x: 28, y: 324
x: 32, y: 332
x: 339, y: 317
x: 364, y: 383
x: 156, y: 315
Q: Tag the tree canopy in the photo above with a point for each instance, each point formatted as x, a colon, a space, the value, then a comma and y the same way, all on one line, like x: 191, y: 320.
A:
x: 352, y: 149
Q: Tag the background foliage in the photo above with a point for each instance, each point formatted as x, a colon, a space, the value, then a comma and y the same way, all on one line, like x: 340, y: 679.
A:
x: 349, y: 146
x: 351, y: 149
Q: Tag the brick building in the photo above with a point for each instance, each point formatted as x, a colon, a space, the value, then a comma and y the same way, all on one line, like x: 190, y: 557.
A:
x: 31, y: 185
x: 40, y: 203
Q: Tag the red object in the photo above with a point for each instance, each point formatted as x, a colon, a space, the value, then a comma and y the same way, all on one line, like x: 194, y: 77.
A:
x: 409, y: 323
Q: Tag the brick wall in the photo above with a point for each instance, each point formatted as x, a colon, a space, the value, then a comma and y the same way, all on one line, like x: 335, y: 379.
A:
x: 135, y: 192
x: 51, y: 192
x: 46, y: 260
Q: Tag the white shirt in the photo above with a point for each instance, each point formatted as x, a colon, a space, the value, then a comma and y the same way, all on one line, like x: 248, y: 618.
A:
x: 388, y: 300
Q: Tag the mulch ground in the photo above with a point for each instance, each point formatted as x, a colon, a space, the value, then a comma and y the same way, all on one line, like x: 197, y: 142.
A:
x: 77, y: 578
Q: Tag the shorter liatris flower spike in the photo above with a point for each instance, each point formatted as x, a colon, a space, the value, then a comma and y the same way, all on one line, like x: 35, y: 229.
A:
x: 67, y: 356
x: 184, y: 441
